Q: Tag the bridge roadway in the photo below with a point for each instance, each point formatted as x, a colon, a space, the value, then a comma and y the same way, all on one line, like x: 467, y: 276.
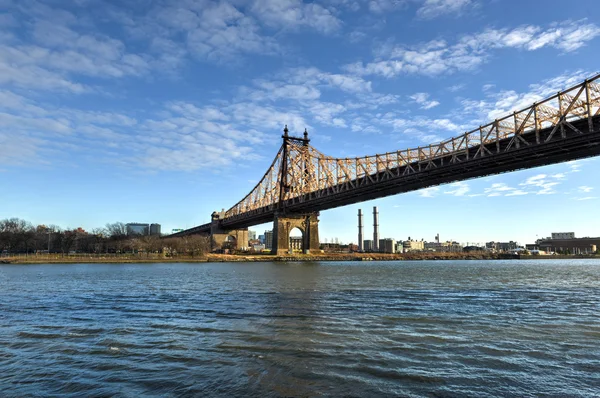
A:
x: 556, y: 150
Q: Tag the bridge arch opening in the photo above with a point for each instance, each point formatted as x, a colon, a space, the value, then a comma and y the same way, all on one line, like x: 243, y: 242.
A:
x: 296, y: 240
x: 230, y: 242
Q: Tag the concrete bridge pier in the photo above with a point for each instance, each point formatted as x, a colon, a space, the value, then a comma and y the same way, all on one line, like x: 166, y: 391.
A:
x: 283, y: 224
x: 227, y: 239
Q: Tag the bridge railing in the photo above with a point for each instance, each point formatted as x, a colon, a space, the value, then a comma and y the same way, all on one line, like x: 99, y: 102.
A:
x: 301, y: 169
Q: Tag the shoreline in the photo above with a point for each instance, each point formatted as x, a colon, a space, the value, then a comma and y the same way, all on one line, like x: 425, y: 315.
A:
x: 222, y: 258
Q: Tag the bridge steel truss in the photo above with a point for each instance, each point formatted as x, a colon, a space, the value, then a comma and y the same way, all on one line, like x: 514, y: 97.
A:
x: 562, y: 127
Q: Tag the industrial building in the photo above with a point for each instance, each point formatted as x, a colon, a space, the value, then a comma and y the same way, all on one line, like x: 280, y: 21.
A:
x: 375, y: 229
x: 361, y: 247
x: 413, y: 245
x: 368, y: 245
x: 502, y: 246
x: 569, y: 245
x: 387, y: 246
x: 563, y: 235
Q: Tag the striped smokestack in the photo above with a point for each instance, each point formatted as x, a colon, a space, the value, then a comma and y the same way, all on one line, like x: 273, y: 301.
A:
x: 361, y: 247
x: 375, y: 229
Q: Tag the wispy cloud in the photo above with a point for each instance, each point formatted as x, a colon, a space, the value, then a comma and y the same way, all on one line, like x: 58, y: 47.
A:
x: 544, y: 183
x: 429, y: 192
x: 423, y: 100
x: 435, y: 8
x: 471, y: 51
x: 458, y: 189
x: 295, y: 14
x: 502, y: 102
x: 498, y: 189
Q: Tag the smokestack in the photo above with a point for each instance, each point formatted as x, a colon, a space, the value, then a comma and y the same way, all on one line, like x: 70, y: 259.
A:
x: 375, y: 229
x: 361, y: 247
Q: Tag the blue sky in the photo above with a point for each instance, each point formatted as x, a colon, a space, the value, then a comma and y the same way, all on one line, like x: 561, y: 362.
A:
x: 163, y: 111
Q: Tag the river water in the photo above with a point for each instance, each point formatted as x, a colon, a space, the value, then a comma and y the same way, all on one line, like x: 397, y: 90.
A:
x: 415, y: 329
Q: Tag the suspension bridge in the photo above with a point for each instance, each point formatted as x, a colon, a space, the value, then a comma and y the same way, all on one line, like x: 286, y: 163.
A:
x: 302, y: 181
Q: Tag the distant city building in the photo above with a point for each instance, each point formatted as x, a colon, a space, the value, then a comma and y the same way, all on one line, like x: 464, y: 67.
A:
x: 137, y: 229
x: 563, y: 235
x: 268, y: 240
x: 296, y: 243
x: 134, y: 228
x: 399, y: 247
x: 333, y: 247
x: 448, y: 246
x: 502, y: 246
x: 154, y: 229
x: 387, y: 246
x: 251, y: 235
x: 368, y: 245
x: 258, y: 248
x: 413, y: 245
x: 261, y: 238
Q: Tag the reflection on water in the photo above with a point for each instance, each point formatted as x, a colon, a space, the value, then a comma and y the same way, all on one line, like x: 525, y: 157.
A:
x: 517, y: 328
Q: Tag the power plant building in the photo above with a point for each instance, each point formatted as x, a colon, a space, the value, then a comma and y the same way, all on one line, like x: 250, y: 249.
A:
x: 387, y: 246
x: 375, y: 229
x: 361, y: 247
x: 563, y: 235
x: 368, y: 244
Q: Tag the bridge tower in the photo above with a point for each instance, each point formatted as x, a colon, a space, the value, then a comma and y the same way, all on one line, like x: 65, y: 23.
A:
x: 285, y: 221
x: 226, y: 239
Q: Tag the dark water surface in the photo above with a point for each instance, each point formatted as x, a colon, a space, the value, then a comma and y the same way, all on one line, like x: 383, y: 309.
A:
x: 463, y: 328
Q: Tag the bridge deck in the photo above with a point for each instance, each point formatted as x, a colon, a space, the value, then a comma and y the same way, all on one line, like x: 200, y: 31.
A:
x: 556, y: 150
x: 502, y: 156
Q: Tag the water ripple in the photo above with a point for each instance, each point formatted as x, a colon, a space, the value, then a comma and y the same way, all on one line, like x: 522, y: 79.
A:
x: 414, y: 329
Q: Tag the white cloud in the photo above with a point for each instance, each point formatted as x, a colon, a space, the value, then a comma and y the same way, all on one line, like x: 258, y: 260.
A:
x: 587, y: 198
x: 585, y: 189
x: 221, y: 31
x: 517, y: 192
x: 498, y: 189
x: 543, y: 182
x: 423, y: 100
x: 460, y: 189
x: 295, y: 14
x: 428, y: 192
x: 434, y: 8
x: 503, y: 102
x: 470, y: 51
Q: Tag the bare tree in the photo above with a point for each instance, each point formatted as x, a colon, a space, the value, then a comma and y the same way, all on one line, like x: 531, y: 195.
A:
x: 117, y: 233
x: 198, y: 244
x: 173, y: 246
x: 67, y: 240
x: 150, y: 243
x: 16, y: 234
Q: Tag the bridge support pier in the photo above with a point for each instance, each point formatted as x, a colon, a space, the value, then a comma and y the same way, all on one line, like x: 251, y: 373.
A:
x: 285, y: 223
x: 227, y: 239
